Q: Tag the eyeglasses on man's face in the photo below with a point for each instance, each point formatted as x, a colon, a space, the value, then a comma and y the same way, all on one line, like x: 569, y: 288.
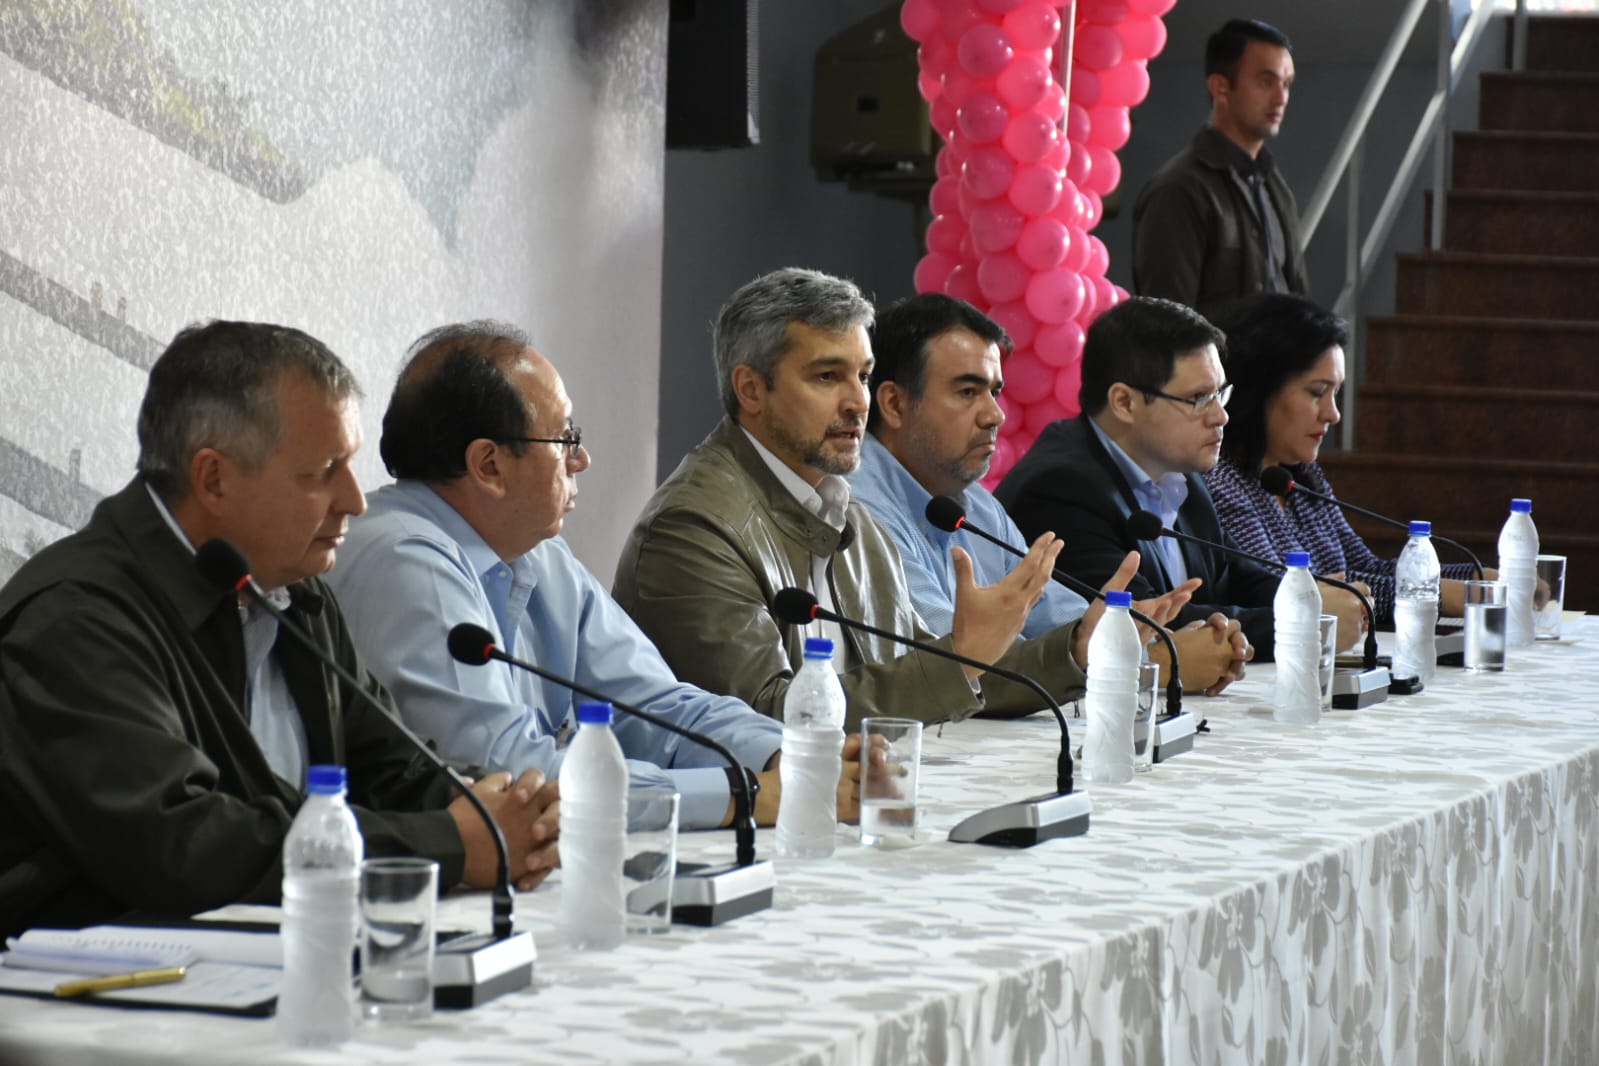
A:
x: 571, y: 440
x: 1200, y: 404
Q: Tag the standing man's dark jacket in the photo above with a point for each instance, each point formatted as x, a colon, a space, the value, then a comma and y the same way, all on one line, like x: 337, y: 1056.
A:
x: 1196, y: 236
x: 1068, y: 484
x: 129, y: 778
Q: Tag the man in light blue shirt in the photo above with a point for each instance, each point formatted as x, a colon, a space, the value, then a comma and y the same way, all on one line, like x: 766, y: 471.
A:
x: 479, y: 434
x: 933, y: 430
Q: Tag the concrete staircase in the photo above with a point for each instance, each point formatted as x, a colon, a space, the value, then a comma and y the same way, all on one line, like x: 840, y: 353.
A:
x: 1485, y: 383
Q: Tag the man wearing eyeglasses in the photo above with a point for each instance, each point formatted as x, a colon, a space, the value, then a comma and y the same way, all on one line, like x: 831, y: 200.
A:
x: 479, y: 435
x: 1154, y: 407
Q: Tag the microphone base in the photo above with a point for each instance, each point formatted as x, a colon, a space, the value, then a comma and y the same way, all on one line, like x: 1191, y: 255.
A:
x: 1174, y: 736
x: 1451, y: 648
x: 473, y: 969
x: 1027, y: 822
x: 714, y: 895
x: 1354, y: 689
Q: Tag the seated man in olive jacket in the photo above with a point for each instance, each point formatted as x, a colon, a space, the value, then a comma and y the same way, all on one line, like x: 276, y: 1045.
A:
x: 762, y: 505
x: 155, y: 730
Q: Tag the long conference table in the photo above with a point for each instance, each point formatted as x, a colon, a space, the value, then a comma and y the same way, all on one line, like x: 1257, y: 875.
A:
x: 1416, y: 882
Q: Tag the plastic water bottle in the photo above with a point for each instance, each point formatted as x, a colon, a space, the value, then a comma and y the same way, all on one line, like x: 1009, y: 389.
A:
x: 813, y: 742
x: 1416, y: 579
x: 321, y: 915
x: 1296, y: 634
x: 1518, y: 569
x: 592, y: 913
x: 1111, y: 702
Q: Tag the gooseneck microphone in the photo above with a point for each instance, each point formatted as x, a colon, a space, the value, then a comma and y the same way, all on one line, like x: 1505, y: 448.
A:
x: 1016, y: 825
x: 1279, y: 481
x: 467, y: 973
x: 1143, y: 525
x: 711, y: 896
x: 947, y: 513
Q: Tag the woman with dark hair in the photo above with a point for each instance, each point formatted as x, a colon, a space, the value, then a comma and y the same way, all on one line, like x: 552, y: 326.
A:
x: 1285, y: 361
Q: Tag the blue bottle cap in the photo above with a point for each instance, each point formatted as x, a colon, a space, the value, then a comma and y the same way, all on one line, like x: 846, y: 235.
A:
x: 1520, y: 506
x: 1297, y: 559
x: 1419, y: 528
x: 1118, y: 599
x: 326, y: 780
x: 818, y: 648
x: 594, y: 714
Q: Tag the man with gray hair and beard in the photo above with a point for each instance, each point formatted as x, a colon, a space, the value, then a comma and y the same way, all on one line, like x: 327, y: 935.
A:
x: 762, y: 505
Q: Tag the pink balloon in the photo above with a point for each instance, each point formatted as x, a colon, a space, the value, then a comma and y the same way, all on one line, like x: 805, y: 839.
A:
x: 962, y: 284
x: 995, y: 226
x: 1027, y: 380
x: 947, y: 167
x: 1055, y: 295
x: 944, y: 234
x: 1060, y: 343
x: 1104, y: 294
x: 1077, y: 251
x: 934, y: 55
x: 933, y: 271
x: 1111, y: 127
x: 1151, y: 7
x: 1105, y: 173
x: 1012, y: 411
x: 983, y: 118
x: 1034, y: 27
x: 1029, y: 136
x: 1096, y: 47
x: 1126, y: 85
x: 920, y: 19
x: 968, y: 252
x: 1055, y: 158
x: 999, y: 7
x: 959, y: 85
x: 1085, y: 86
x: 1053, y: 105
x: 1035, y: 189
x: 1047, y: 410
x: 1143, y: 36
x: 1068, y: 384
x: 1002, y: 278
x: 1042, y: 244
x: 1121, y: 293
x: 945, y: 197
x: 1069, y: 209
x: 984, y: 50
x: 959, y: 17
x: 1098, y: 257
x: 1023, y: 82
x: 1079, y: 164
x: 1079, y: 123
x: 941, y: 115
x: 988, y: 173
x: 1016, y: 321
x: 1093, y: 209
x: 1104, y: 12
x: 929, y: 85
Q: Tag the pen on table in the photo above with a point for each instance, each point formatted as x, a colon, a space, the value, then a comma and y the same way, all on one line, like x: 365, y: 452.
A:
x: 163, y: 976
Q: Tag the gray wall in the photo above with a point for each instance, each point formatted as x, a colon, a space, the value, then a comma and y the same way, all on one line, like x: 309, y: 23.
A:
x: 731, y: 215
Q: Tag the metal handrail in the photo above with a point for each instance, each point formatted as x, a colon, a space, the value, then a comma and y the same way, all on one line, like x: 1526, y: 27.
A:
x: 1432, y: 132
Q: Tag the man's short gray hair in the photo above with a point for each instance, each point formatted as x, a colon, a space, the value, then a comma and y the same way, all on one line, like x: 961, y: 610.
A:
x: 216, y: 387
x: 752, y: 328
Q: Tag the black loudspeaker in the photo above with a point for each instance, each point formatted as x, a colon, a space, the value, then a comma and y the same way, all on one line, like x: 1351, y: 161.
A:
x: 711, y: 74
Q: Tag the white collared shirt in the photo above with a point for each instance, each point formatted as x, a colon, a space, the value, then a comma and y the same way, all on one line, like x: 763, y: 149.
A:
x: 829, y: 501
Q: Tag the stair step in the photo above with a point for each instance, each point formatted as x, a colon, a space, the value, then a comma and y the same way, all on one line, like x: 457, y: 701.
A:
x: 1454, y: 420
x: 1521, y: 159
x: 1464, y: 350
x: 1502, y: 286
x: 1563, y: 42
x: 1539, y: 100
x: 1518, y: 222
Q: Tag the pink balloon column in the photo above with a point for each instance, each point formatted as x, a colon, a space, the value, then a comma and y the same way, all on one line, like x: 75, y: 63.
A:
x: 1023, y: 171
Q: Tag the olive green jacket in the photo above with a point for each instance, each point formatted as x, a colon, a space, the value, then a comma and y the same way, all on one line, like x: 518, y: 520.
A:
x: 723, y: 535
x: 129, y: 779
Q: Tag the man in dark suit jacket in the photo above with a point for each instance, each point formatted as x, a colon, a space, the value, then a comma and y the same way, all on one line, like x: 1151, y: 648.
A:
x: 1154, y: 400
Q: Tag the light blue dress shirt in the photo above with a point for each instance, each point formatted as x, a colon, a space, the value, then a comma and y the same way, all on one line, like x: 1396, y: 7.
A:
x: 898, y: 503
x: 1164, y: 497
x: 411, y: 568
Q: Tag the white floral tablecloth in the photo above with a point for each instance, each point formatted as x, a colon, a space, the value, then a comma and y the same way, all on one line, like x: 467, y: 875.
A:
x: 1411, y: 883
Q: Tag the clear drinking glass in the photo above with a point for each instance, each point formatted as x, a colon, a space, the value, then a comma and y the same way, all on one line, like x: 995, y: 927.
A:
x: 1486, y: 607
x: 1551, y: 571
x: 649, y: 863
x: 891, y: 761
x: 397, y: 904
x: 1327, y: 667
x: 1144, y: 718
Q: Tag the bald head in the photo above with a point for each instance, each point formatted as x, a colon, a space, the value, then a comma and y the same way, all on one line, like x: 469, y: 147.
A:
x: 460, y: 383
